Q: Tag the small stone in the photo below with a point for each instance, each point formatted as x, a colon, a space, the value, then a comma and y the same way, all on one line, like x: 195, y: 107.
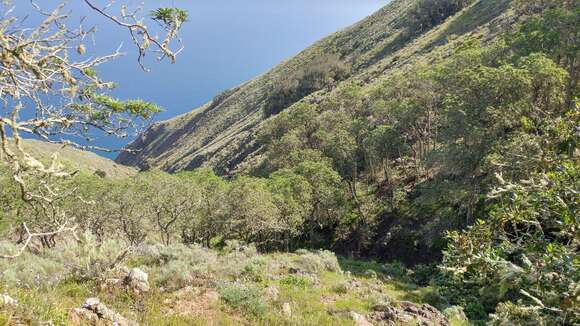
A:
x: 286, y: 309
x: 91, y: 303
x: 371, y: 274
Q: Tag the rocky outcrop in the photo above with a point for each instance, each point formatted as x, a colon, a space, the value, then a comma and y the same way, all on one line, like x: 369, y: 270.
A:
x: 94, y: 312
x: 409, y: 313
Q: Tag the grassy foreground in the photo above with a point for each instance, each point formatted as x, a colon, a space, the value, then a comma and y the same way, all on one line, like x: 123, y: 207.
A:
x: 197, y: 286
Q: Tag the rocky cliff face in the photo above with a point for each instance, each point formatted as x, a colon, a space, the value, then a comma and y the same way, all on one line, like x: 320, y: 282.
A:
x: 223, y: 134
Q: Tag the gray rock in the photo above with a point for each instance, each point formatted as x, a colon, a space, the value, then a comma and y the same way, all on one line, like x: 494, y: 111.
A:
x: 91, y: 303
x: 408, y: 312
x: 6, y: 300
x: 138, y: 280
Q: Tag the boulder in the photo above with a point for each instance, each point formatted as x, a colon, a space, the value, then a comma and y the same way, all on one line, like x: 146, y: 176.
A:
x: 137, y: 280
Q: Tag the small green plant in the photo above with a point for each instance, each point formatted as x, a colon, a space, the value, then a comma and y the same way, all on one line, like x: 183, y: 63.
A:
x: 340, y: 288
x: 295, y: 281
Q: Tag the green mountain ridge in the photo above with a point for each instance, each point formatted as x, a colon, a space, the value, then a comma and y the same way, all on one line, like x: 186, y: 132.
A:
x: 223, y: 134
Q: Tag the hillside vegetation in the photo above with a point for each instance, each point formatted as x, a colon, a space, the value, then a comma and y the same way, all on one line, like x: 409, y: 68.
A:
x: 78, y: 159
x: 433, y: 148
x: 223, y: 134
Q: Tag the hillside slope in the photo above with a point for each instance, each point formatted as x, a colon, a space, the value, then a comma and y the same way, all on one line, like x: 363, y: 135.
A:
x: 222, y: 134
x: 78, y: 159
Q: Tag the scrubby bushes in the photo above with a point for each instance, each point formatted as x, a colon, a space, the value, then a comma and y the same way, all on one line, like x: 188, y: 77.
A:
x: 294, y: 280
x: 318, y: 261
x: 323, y: 72
x: 245, y: 298
x: 75, y: 261
x: 31, y: 271
x: 428, y: 13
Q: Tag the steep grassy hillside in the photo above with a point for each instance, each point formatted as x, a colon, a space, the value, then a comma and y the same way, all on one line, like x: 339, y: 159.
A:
x: 222, y: 134
x: 78, y: 159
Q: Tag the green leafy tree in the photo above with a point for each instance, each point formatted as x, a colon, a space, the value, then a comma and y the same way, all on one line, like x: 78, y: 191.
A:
x: 253, y: 214
x: 209, y: 218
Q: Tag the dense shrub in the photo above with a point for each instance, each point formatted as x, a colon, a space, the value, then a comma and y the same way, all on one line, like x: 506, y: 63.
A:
x: 424, y: 273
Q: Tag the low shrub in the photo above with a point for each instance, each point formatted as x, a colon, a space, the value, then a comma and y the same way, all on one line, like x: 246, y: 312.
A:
x: 243, y: 298
x: 396, y: 269
x: 235, y: 246
x: 341, y: 288
x: 423, y: 274
x: 295, y: 281
x: 316, y: 262
x: 175, y: 274
x: 509, y: 313
x: 32, y: 271
x: 255, y: 269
